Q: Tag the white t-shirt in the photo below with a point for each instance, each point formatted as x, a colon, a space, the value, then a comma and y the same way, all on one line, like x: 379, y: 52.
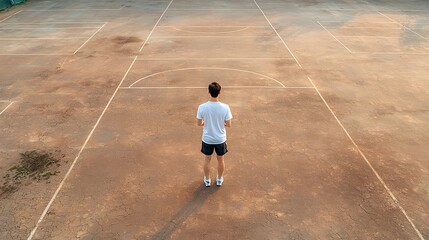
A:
x: 214, y: 115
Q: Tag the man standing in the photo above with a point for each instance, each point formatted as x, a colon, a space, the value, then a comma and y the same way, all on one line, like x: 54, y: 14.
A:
x: 214, y: 116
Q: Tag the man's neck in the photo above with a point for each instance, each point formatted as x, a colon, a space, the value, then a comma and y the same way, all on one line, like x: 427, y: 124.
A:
x: 214, y: 99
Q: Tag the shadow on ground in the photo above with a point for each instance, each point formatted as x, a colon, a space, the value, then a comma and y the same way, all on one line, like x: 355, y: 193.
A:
x: 198, y: 199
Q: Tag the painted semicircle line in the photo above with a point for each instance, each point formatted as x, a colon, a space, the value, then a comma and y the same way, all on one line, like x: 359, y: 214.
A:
x: 232, y: 31
x: 207, y: 68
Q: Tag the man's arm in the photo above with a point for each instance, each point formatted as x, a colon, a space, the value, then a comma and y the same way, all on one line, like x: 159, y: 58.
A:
x: 200, y: 122
x: 228, y: 123
x: 228, y: 117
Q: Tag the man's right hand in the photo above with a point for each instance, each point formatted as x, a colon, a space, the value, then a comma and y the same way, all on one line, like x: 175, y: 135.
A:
x: 200, y: 122
x: 228, y: 123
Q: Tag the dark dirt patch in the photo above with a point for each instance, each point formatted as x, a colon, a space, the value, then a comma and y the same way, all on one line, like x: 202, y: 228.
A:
x: 126, y: 39
x: 34, y: 166
x: 48, y: 73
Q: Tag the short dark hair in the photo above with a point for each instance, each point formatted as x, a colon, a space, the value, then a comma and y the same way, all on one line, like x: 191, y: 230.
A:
x: 214, y: 89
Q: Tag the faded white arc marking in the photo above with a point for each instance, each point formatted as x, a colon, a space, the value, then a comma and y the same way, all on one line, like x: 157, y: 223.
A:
x: 206, y: 68
x: 156, y: 24
x: 30, y: 237
x: 367, y: 161
x: 284, y: 43
x: 233, y: 31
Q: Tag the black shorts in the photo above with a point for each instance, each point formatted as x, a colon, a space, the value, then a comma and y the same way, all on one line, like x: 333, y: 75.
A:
x: 207, y: 149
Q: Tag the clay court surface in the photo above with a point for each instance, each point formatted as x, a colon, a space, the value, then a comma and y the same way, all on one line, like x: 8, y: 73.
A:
x: 329, y: 137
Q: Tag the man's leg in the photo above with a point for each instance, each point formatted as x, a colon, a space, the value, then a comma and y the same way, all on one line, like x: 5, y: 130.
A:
x: 220, y: 166
x: 207, y: 166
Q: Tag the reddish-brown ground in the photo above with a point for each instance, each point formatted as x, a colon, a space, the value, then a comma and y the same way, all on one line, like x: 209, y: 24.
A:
x: 329, y: 137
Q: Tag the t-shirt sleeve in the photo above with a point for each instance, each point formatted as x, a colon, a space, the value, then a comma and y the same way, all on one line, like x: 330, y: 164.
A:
x: 228, y: 114
x: 199, y: 113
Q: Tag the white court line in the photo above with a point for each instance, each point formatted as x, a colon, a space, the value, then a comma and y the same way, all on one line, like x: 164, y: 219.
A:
x: 78, y: 155
x: 211, y: 26
x: 85, y: 143
x: 5, y: 39
x: 76, y: 9
x: 363, y: 155
x: 212, y: 9
x: 242, y: 87
x: 214, y: 58
x: 368, y: 24
x: 284, y: 43
x: 358, y: 22
x: 10, y: 16
x: 206, y: 68
x: 211, y: 36
x: 347, y: 9
x: 394, y: 53
x: 367, y: 161
x: 403, y: 26
x: 9, y: 28
x: 232, y: 31
x: 359, y: 36
x: 40, y: 23
x: 334, y: 37
x: 341, y: 27
x: 10, y: 104
x: 89, y: 38
x: 396, y: 10
x: 367, y: 27
x: 34, y: 54
x: 50, y: 6
x: 156, y: 24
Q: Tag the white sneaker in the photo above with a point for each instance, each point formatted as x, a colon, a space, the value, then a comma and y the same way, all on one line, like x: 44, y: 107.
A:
x: 219, y: 181
x: 207, y: 182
